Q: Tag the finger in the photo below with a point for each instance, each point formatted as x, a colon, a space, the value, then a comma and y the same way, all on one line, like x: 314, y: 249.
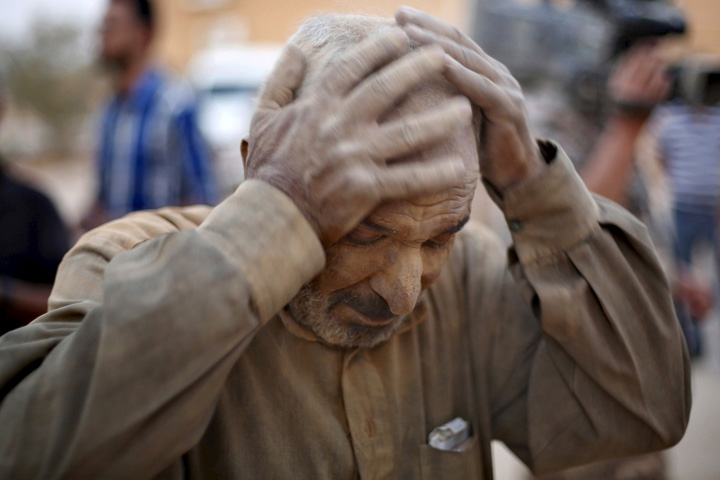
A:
x: 360, y: 61
x: 406, y: 15
x: 413, y: 133
x: 413, y: 179
x: 380, y: 91
x: 646, y: 66
x: 478, y: 88
x: 660, y: 85
x: 285, y: 79
x: 463, y: 55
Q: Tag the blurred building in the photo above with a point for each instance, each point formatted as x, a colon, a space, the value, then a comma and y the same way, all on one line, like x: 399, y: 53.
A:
x: 704, y: 20
x: 187, y: 26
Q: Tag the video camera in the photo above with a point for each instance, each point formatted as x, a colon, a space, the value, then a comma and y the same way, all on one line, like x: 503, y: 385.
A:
x: 697, y: 81
x: 572, y: 44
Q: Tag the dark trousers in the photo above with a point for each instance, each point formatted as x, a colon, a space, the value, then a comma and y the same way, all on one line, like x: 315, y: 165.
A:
x: 694, y: 226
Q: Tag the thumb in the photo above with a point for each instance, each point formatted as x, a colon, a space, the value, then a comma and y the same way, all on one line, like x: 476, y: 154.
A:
x: 285, y: 79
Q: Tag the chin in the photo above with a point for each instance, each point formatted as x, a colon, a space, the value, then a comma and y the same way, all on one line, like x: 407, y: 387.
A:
x: 352, y: 335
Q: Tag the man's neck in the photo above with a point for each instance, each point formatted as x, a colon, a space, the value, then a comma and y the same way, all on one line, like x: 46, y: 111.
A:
x: 127, y: 77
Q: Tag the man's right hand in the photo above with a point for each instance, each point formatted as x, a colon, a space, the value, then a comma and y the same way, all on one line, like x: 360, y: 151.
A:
x: 326, y: 149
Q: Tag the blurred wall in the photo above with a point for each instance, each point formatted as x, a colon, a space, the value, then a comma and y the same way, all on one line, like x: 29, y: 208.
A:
x: 704, y: 21
x: 188, y: 25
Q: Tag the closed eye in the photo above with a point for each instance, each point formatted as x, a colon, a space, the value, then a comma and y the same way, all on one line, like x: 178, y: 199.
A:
x: 364, y: 236
x: 439, y: 241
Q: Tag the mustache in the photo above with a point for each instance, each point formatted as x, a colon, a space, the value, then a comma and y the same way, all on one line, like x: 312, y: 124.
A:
x: 373, y: 306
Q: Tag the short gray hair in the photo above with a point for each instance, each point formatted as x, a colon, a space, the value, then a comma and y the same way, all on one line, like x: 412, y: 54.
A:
x: 324, y: 37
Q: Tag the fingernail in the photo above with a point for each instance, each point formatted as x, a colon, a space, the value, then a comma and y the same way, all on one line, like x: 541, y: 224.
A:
x: 404, y: 14
x: 398, y: 36
x: 406, y: 9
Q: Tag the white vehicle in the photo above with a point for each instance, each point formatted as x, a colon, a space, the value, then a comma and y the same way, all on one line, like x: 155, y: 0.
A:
x: 227, y: 79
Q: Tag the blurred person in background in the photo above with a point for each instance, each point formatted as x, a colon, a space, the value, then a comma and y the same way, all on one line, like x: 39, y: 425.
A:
x: 333, y: 313
x: 151, y: 153
x: 33, y: 240
x: 685, y: 141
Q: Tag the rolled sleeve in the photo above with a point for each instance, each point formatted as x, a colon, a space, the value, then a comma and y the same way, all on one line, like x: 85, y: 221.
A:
x: 551, y: 212
x: 253, y: 227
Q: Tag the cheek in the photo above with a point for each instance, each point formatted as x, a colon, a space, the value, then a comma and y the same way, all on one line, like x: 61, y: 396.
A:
x: 347, y: 265
x: 433, y: 263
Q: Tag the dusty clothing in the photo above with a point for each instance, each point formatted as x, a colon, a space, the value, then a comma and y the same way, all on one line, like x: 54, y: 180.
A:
x: 176, y: 359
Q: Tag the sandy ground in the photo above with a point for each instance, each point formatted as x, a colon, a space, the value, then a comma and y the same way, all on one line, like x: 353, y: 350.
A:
x: 696, y: 457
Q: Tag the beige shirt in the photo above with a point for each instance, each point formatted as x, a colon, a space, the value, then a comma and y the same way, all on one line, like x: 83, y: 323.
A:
x: 166, y: 352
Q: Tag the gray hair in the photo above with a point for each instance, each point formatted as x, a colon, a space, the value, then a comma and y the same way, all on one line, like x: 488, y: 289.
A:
x: 324, y: 37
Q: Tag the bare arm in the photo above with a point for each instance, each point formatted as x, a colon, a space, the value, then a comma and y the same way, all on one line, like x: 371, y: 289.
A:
x: 638, y: 80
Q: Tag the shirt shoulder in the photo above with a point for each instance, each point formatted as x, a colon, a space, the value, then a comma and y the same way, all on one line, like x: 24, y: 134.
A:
x: 99, y: 246
x: 176, y: 94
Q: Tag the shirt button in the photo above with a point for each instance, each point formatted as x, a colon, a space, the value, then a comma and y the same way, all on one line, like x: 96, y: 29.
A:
x: 515, y: 225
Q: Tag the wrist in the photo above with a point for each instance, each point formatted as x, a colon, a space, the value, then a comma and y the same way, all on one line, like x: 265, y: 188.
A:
x: 533, y: 164
x: 625, y: 122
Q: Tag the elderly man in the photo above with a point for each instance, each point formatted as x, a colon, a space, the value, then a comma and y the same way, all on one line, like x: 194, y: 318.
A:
x: 327, y: 317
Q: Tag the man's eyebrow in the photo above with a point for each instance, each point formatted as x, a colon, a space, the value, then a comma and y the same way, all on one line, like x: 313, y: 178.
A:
x: 376, y: 227
x: 459, y: 225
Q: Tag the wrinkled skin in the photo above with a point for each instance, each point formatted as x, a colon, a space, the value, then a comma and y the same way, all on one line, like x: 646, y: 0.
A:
x: 327, y: 151
x: 376, y: 273
x: 386, y: 193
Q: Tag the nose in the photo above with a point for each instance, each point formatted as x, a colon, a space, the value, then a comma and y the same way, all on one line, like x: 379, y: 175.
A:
x: 399, y: 282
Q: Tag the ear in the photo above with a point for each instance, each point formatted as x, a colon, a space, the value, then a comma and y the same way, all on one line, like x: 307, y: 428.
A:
x: 244, y: 144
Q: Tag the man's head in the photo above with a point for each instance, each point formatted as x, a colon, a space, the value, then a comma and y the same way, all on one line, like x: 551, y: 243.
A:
x: 126, y: 32
x: 374, y: 275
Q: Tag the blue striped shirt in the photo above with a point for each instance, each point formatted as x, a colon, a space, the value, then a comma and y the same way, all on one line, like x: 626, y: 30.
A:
x: 151, y: 153
x: 689, y: 141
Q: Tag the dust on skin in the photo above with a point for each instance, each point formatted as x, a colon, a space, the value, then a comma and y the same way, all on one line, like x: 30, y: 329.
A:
x: 374, y: 276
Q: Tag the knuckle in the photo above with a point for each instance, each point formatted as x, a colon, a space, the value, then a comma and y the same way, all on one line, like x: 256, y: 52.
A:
x: 330, y: 129
x: 409, y: 134
x: 343, y: 150
x: 456, y: 34
x: 464, y: 56
x: 381, y: 86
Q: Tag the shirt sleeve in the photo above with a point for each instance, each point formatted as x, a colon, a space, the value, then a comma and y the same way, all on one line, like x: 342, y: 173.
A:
x: 148, y: 316
x: 591, y: 363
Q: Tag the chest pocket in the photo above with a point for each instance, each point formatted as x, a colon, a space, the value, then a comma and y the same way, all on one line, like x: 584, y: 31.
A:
x: 438, y: 464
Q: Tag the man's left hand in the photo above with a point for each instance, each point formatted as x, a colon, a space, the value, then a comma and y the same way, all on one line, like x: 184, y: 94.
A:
x: 508, y: 152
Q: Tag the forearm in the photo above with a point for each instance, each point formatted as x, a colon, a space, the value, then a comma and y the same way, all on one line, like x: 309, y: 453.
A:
x: 612, y: 342
x: 606, y: 374
x: 610, y: 165
x: 132, y: 385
